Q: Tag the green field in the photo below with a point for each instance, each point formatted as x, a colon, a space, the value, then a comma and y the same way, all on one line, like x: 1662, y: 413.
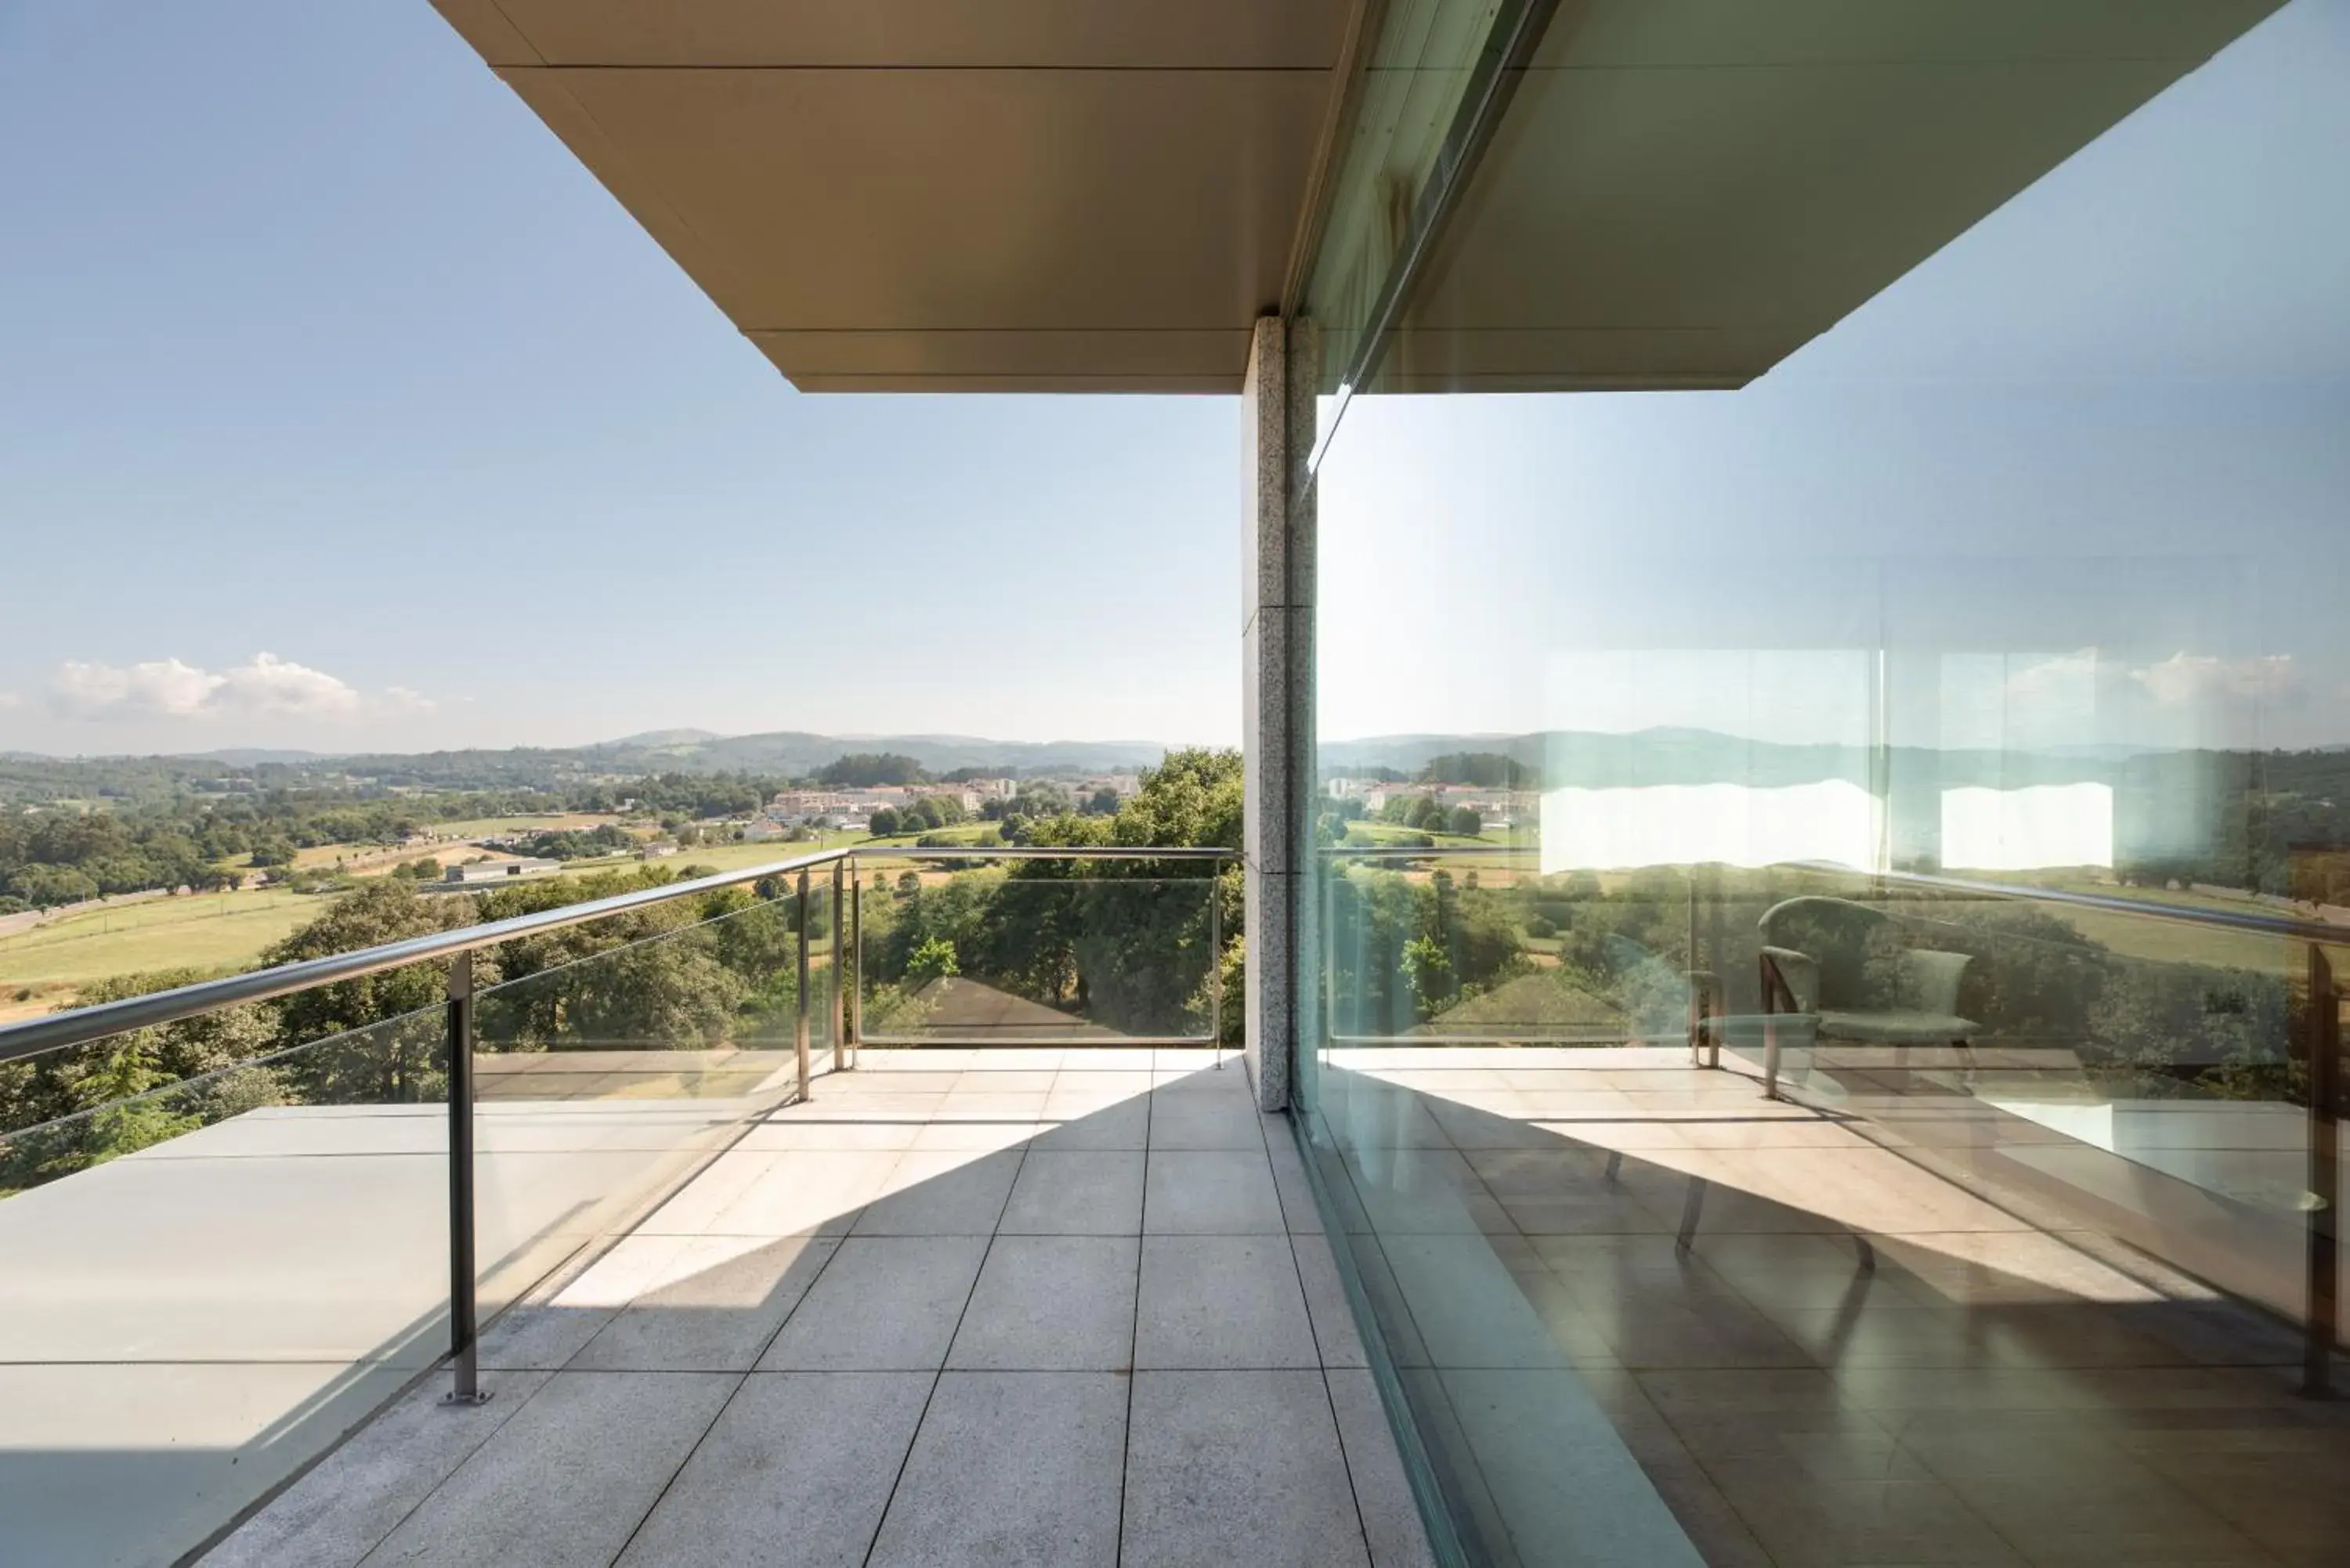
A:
x: 2173, y: 941
x: 2156, y: 940
x: 211, y: 931
x: 726, y: 857
x: 483, y: 826
x: 1387, y: 833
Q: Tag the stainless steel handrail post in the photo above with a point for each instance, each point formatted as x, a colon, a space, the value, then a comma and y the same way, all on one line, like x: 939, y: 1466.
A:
x: 800, y: 1021
x: 2321, y: 1325
x: 464, y: 1329
x: 839, y: 913
x: 856, y: 963
x: 1216, y: 968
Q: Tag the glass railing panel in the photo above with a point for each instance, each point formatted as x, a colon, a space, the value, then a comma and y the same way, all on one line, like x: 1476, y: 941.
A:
x: 220, y: 1260
x: 826, y: 964
x: 1460, y: 950
x: 1036, y: 954
x: 623, y: 1056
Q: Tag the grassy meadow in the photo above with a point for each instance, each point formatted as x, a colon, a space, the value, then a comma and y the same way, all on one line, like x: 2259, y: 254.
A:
x: 206, y: 930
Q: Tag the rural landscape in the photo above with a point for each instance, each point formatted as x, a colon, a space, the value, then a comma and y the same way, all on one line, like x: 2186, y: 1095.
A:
x: 123, y: 876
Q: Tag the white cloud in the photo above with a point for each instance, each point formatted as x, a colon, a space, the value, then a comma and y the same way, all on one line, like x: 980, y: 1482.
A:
x: 2067, y: 681
x: 172, y: 689
x: 403, y: 700
x: 2195, y: 680
x: 10, y: 699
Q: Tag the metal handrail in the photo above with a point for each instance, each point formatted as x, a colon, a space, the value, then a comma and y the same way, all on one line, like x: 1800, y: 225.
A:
x: 38, y: 1036
x: 1420, y: 851
x: 83, y: 1025
x: 2321, y: 931
x: 2246, y: 920
x: 868, y: 851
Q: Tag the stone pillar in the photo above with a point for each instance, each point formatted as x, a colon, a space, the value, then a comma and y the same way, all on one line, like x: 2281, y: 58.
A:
x: 1277, y: 664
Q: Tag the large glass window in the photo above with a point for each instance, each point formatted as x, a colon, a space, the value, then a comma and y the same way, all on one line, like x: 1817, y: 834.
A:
x: 1832, y: 729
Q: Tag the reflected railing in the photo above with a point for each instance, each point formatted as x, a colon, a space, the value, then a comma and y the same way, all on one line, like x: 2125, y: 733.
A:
x: 2163, y: 1074
x: 2167, y: 1074
x: 224, y: 1251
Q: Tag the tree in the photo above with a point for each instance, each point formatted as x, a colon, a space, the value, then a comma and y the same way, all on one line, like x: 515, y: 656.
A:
x: 383, y: 1060
x: 1465, y: 821
x: 82, y: 1094
x: 1485, y: 770
x: 884, y: 820
x: 1428, y: 971
x: 1126, y: 941
x: 46, y: 887
x: 864, y: 770
x: 934, y: 960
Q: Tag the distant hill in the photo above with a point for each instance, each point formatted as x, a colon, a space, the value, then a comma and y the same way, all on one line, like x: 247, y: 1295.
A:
x: 667, y: 738
x: 247, y: 756
x: 790, y: 753
x: 1669, y: 755
x: 794, y: 752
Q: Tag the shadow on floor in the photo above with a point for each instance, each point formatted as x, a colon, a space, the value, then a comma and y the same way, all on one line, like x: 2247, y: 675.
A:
x: 1650, y: 1307
x: 1039, y: 1306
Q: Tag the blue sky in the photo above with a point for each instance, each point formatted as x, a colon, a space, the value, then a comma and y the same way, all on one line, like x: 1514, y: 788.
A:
x: 318, y: 345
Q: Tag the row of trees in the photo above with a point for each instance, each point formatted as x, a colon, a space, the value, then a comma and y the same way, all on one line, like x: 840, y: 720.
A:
x: 927, y: 814
x: 64, y: 852
x: 1428, y: 815
x: 1122, y: 944
x: 1485, y: 770
x: 871, y: 769
x: 64, y: 857
x: 579, y: 843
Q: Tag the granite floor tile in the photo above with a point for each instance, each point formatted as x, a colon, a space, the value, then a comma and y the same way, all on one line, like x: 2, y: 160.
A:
x: 1210, y: 1192
x: 1222, y: 1302
x: 884, y: 1304
x: 1335, y: 1330
x: 540, y: 1335
x: 1227, y: 1468
x: 1192, y: 1119
x: 570, y: 1476
x: 1391, y: 1522
x: 1123, y: 1125
x: 808, y: 1193
x: 1051, y: 1302
x: 722, y: 1300
x: 1011, y: 1468
x: 1077, y: 1194
x: 345, y: 1506
x: 942, y: 1193
x: 795, y: 1474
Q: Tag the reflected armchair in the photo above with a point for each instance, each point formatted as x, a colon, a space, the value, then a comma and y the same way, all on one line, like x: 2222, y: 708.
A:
x: 1843, y: 971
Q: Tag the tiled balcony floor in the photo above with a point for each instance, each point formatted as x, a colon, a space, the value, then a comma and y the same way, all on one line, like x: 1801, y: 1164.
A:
x: 1989, y: 1393
x: 1013, y: 1306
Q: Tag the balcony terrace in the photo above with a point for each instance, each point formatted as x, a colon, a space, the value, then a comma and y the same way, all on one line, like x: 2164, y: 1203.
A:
x: 1017, y: 1305
x: 1074, y: 1301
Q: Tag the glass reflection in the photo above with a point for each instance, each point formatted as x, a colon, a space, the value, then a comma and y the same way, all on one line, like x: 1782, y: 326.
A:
x: 1734, y: 1177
